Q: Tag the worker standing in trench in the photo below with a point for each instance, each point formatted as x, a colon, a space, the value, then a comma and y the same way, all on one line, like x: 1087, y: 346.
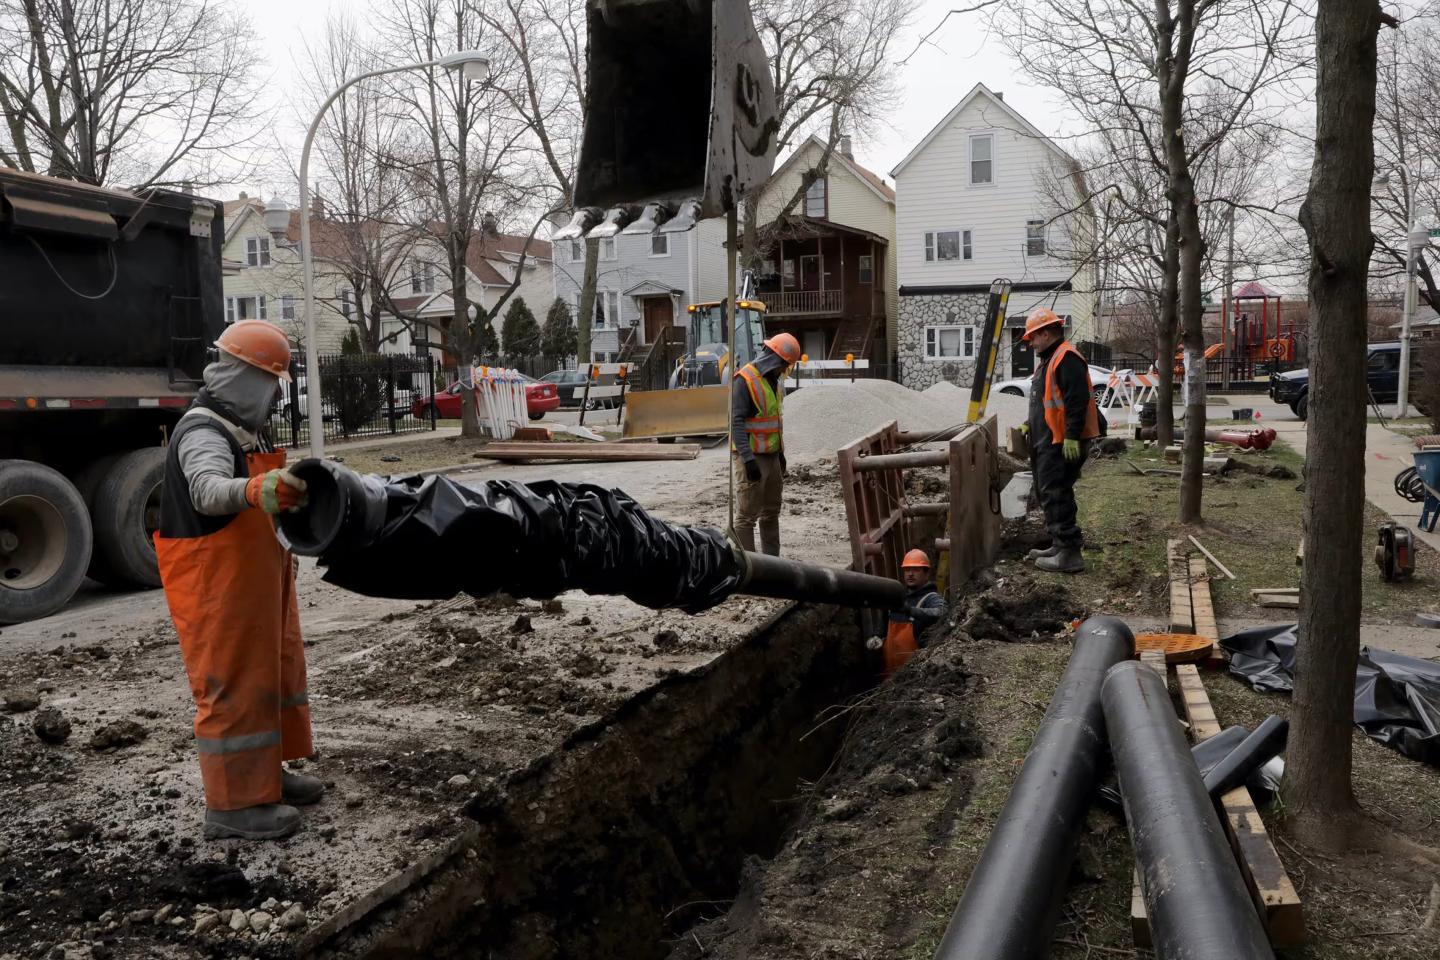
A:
x: 923, y: 608
x: 1063, y: 420
x: 756, y: 398
x: 230, y: 586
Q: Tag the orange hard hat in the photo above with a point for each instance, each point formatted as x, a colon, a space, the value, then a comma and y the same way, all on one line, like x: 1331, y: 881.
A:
x: 1039, y: 319
x: 915, y: 558
x: 259, y: 344
x: 786, y: 346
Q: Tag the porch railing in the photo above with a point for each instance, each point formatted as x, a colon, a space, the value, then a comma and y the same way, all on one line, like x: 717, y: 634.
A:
x: 803, y: 301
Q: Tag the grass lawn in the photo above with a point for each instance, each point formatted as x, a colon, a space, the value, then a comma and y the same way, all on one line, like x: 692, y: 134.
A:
x: 1252, y: 524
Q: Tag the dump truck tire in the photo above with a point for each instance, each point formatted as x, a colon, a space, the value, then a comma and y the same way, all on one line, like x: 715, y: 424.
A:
x: 45, y: 540
x: 125, y: 513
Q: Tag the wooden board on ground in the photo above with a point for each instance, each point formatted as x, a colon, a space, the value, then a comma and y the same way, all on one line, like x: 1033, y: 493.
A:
x: 1182, y: 617
x: 589, y: 451
x: 1265, y: 875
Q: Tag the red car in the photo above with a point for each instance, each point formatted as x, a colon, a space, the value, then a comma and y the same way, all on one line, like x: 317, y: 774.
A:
x: 540, y: 399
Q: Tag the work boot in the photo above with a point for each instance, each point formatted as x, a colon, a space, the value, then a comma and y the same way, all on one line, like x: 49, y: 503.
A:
x: 1064, y: 560
x: 1037, y: 553
x: 299, y: 790
x: 265, y: 822
x: 770, y: 537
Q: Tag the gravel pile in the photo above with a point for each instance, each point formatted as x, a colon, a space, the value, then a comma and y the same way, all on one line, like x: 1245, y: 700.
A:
x: 821, y: 420
x: 1010, y: 410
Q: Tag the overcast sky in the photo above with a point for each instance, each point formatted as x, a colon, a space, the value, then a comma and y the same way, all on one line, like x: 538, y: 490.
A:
x: 933, y: 80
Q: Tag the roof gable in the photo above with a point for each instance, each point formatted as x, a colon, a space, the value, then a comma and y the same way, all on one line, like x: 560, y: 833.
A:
x: 977, y: 91
x: 870, y: 180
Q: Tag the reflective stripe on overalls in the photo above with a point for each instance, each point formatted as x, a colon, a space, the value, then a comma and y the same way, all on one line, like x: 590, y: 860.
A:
x: 763, y: 429
x: 1054, y: 402
x: 231, y: 594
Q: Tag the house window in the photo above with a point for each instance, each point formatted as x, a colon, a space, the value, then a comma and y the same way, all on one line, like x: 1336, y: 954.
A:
x: 422, y: 277
x: 982, y: 159
x: 287, y: 307
x: 867, y: 269
x: 789, y: 268
x: 947, y: 245
x: 607, y: 248
x: 347, y: 302
x: 257, y: 251
x: 1034, y: 238
x: 577, y: 251
x: 659, y: 244
x: 244, y: 308
x: 607, y: 309
x: 946, y: 342
x: 815, y: 198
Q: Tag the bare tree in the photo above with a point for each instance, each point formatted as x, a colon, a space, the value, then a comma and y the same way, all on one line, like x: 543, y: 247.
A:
x: 364, y: 155
x: 125, y: 92
x: 472, y: 159
x: 1319, y: 801
x: 1179, y: 78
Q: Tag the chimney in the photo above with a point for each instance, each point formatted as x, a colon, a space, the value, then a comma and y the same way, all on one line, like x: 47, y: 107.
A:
x: 489, y: 226
x: 1000, y: 95
x: 845, y: 149
x: 277, y: 218
x: 317, y: 207
x: 244, y: 195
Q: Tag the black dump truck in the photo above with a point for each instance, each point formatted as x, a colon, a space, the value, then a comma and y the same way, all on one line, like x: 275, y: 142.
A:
x: 109, y: 304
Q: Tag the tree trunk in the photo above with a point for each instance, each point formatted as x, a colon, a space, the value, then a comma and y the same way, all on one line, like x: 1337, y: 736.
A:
x: 1192, y: 314
x: 464, y: 339
x: 750, y: 238
x: 583, y: 350
x: 1319, y: 801
x: 1166, y: 336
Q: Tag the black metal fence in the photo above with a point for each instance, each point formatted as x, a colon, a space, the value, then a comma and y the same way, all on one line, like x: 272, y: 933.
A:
x: 1240, y: 375
x: 361, y: 395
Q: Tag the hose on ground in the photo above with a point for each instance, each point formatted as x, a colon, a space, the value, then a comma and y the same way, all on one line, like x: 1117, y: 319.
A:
x: 1409, y: 485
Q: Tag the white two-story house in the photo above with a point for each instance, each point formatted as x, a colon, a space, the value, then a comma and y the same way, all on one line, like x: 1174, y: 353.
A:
x: 986, y: 195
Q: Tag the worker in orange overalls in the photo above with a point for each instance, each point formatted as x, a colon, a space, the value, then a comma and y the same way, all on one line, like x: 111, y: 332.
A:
x: 1063, y: 420
x: 231, y: 590
x: 923, y: 608
x: 756, y: 399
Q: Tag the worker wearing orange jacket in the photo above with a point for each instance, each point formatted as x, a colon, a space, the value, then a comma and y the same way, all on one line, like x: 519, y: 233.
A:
x: 923, y: 608
x: 230, y: 586
x: 1063, y: 420
x: 757, y: 431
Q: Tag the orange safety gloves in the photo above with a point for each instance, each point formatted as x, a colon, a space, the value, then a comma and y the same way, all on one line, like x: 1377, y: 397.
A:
x: 276, y: 491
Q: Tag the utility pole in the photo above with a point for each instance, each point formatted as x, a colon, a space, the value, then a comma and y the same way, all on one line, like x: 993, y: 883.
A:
x: 1226, y: 305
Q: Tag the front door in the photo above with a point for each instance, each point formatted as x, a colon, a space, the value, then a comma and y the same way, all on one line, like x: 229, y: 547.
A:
x: 810, y: 272
x: 1022, y: 358
x: 659, y: 314
x: 814, y: 344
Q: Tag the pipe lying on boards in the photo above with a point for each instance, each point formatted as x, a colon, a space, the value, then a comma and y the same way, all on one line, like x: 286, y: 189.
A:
x: 1011, y: 904
x: 1249, y: 755
x: 1195, y: 897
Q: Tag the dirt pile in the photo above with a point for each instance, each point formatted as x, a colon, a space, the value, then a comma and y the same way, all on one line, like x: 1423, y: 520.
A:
x: 1019, y: 610
x: 821, y: 420
x: 1009, y: 410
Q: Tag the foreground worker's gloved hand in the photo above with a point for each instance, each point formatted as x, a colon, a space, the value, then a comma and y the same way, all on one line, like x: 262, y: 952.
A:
x: 874, y: 643
x: 1072, y: 450
x: 752, y: 471
x: 278, y: 491
x: 1025, y: 429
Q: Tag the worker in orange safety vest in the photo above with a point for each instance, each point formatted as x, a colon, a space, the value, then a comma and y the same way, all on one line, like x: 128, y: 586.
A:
x: 230, y: 586
x: 1063, y: 420
x: 758, y: 442
x: 923, y: 608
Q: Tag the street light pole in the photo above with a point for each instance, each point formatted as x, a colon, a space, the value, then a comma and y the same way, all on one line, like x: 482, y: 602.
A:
x: 475, y: 67
x: 1402, y: 398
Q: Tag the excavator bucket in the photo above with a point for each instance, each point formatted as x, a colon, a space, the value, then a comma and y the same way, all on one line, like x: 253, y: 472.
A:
x: 692, y: 412
x: 680, y: 107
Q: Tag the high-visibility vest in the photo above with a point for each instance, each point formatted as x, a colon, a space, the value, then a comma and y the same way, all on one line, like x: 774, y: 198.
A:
x: 1054, y: 402
x: 762, y: 429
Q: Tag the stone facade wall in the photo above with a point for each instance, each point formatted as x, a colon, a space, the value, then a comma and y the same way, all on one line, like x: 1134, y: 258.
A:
x: 920, y: 311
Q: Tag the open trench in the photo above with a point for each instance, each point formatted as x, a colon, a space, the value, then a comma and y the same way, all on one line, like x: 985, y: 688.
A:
x: 639, y: 824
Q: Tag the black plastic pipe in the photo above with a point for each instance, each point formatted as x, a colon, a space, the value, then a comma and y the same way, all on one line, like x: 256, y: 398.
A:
x: 537, y: 540
x: 766, y: 576
x: 1011, y: 904
x: 1251, y: 754
x: 1195, y: 897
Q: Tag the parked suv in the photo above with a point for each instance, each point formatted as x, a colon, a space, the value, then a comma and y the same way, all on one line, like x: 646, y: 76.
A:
x: 1382, y: 372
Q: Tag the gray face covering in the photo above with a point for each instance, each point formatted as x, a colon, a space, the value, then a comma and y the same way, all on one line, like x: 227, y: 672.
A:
x: 248, y: 392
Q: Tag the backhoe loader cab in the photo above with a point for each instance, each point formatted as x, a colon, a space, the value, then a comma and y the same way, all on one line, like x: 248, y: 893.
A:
x: 709, y: 362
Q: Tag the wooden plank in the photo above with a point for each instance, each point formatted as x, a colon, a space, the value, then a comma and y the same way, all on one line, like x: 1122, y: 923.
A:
x: 1286, y: 602
x: 1182, y: 617
x: 1276, y: 591
x: 604, y: 452
x: 1201, y: 605
x: 1154, y: 659
x: 1264, y: 873
x: 1139, y: 919
x: 1211, y: 557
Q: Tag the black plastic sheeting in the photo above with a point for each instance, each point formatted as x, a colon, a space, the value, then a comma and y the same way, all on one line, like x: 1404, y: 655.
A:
x: 431, y: 538
x: 1208, y: 753
x: 1397, y: 698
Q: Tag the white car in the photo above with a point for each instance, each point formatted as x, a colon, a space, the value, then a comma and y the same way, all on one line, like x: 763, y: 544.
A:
x: 1020, y: 386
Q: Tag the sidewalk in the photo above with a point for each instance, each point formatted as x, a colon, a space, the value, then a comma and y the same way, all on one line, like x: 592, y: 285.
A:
x: 1386, y: 454
x: 340, y: 446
